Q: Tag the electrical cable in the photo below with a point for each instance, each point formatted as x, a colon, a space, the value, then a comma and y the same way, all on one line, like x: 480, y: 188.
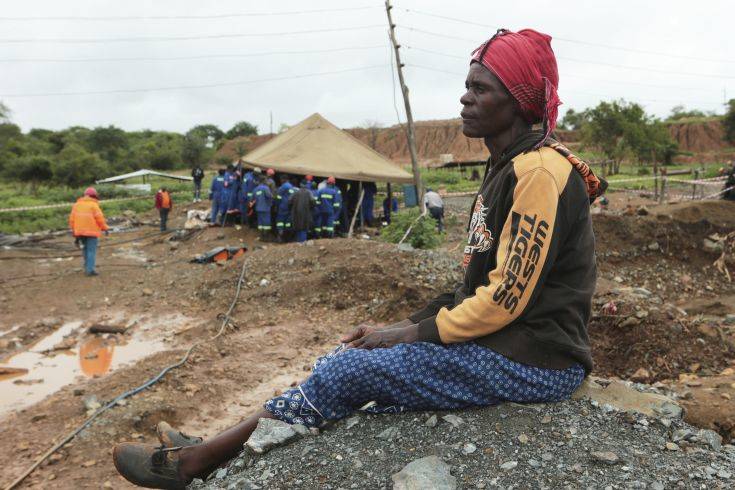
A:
x: 153, y: 39
x: 184, y: 17
x: 225, y: 321
x: 576, y: 41
x: 185, y: 58
x: 638, y: 68
x: 188, y: 87
x: 677, y: 101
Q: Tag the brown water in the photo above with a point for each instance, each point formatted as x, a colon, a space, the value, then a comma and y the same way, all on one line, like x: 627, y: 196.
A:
x: 41, y: 374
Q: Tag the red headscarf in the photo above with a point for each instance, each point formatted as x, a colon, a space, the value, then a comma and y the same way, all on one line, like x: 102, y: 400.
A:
x: 525, y: 63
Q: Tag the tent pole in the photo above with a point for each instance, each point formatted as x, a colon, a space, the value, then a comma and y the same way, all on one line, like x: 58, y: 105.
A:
x: 390, y: 203
x: 409, y: 115
x: 354, y: 216
x: 359, y: 206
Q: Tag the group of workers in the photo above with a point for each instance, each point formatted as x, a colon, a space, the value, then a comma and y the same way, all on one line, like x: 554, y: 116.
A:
x: 297, y: 208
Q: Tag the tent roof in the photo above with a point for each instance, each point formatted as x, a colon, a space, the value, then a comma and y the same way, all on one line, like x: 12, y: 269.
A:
x: 317, y: 147
x: 141, y: 173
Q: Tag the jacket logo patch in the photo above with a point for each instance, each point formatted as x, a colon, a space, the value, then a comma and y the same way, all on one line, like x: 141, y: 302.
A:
x: 479, y: 237
x: 527, y: 239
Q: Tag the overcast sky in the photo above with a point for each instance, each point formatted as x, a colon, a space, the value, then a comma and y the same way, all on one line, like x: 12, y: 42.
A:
x: 674, y: 52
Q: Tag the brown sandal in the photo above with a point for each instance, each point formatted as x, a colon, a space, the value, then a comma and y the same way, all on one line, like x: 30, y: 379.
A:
x: 170, y: 437
x: 149, y: 466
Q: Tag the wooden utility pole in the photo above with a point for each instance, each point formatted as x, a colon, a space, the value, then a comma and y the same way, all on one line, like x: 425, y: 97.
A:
x: 409, y: 115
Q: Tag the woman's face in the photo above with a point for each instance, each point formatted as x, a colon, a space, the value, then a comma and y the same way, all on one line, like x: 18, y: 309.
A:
x: 488, y: 109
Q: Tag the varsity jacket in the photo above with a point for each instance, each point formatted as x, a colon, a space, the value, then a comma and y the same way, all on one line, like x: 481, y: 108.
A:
x: 529, y: 261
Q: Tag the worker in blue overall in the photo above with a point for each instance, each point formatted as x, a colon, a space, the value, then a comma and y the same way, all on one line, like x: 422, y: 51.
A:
x: 246, y: 196
x: 263, y: 201
x: 232, y: 184
x: 316, y: 215
x: 330, y: 199
x: 216, y: 195
x: 283, y: 214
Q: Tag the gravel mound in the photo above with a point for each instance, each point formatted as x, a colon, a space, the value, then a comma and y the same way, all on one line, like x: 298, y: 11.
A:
x: 574, y: 444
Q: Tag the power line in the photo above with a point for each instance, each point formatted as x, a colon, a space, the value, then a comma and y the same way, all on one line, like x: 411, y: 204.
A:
x: 183, y: 58
x: 185, y: 87
x: 678, y: 101
x: 576, y: 41
x: 639, y: 68
x: 184, y: 17
x: 466, y: 58
x: 181, y: 38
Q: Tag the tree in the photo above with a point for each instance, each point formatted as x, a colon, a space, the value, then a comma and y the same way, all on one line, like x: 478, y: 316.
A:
x: 75, y: 166
x: 574, y: 120
x: 4, y: 113
x: 209, y: 132
x: 161, y: 151
x: 31, y: 168
x: 679, y: 112
x: 729, y: 121
x: 107, y: 142
x: 373, y: 128
x: 194, y: 148
x: 243, y: 128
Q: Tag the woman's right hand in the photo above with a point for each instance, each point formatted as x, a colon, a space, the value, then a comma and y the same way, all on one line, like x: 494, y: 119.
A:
x: 365, y: 329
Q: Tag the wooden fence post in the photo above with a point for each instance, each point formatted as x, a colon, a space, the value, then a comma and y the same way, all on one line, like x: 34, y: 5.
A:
x: 694, y: 185
x: 664, y: 186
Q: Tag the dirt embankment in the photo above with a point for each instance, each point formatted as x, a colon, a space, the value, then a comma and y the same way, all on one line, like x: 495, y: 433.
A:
x: 442, y: 137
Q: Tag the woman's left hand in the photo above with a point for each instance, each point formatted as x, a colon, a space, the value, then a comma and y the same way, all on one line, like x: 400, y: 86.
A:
x: 386, y: 338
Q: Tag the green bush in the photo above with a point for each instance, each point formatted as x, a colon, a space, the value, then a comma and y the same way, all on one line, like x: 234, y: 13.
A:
x: 423, y: 233
x: 643, y: 171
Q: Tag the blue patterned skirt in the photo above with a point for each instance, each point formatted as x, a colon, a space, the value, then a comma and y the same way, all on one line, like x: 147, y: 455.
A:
x: 418, y: 376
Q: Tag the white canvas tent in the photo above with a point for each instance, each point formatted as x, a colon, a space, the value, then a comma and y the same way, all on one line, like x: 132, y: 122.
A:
x: 317, y: 147
x: 142, y: 173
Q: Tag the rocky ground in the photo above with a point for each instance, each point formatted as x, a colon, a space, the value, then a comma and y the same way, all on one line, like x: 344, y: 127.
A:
x: 574, y: 444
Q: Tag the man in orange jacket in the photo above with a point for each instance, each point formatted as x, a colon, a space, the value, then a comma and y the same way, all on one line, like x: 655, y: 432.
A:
x: 87, y: 224
x: 164, y: 203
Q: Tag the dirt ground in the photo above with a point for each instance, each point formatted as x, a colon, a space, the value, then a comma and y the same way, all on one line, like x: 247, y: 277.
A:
x: 659, y: 316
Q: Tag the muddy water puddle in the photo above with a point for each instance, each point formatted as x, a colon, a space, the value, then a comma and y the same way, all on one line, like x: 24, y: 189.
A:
x: 69, y: 355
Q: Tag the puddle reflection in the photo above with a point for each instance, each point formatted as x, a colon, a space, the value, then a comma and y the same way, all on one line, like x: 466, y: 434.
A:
x: 28, y: 377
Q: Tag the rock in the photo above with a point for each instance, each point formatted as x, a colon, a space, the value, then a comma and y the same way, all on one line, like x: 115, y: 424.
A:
x: 711, y: 438
x: 351, y: 422
x: 264, y: 282
x: 657, y: 485
x: 147, y: 292
x: 607, y: 457
x: 547, y: 457
x: 388, y: 434
x: 642, y: 211
x: 469, y: 448
x: 431, y: 421
x: 523, y: 438
x: 91, y: 403
x: 221, y: 473
x: 629, y: 322
x: 406, y: 247
x: 269, y: 433
x: 672, y: 446
x: 509, y: 465
x: 640, y: 375
x: 89, y: 463
x: 242, y: 484
x: 624, y: 398
x: 453, y: 419
x: 429, y: 472
x: 724, y: 474
x: 730, y: 319
x: 653, y: 246
x: 712, y: 246
x: 301, y: 430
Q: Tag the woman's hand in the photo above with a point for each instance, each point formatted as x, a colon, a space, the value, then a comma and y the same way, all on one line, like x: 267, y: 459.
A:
x: 386, y: 338
x: 365, y: 329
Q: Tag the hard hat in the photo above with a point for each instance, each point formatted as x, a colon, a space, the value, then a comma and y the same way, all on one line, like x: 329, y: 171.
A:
x: 91, y: 192
x: 270, y: 172
x: 331, y: 180
x: 309, y: 178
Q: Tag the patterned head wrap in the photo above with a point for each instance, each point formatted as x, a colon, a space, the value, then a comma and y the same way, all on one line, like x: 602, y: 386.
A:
x: 525, y: 63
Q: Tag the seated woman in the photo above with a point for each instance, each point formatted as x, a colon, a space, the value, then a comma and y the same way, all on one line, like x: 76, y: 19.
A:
x: 514, y: 330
